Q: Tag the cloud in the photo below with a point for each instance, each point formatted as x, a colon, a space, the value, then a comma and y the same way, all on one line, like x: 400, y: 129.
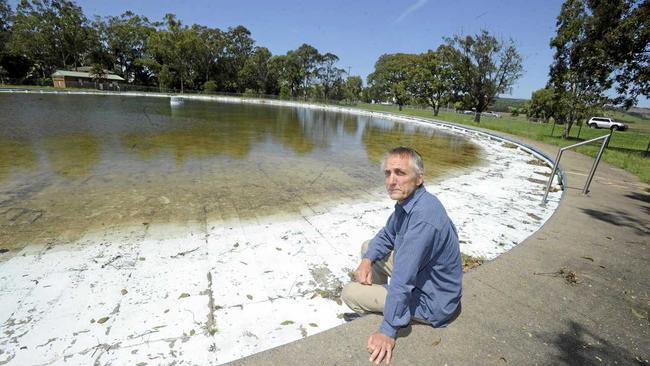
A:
x: 410, y: 9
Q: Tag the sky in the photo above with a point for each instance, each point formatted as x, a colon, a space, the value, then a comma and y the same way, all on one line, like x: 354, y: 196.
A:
x: 358, y: 32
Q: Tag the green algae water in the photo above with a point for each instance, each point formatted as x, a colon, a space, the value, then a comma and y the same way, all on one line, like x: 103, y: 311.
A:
x: 73, y: 163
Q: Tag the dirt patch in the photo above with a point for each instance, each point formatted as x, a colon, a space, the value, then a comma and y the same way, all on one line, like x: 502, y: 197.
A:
x: 470, y: 262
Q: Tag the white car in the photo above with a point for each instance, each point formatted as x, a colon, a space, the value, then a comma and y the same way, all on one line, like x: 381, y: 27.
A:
x: 491, y: 114
x: 605, y: 122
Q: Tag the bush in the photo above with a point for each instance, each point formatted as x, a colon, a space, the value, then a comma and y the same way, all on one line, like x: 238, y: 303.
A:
x: 209, y: 86
x: 514, y: 111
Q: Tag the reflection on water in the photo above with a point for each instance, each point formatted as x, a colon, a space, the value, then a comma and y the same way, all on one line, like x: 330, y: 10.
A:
x: 15, y: 155
x: 72, y: 155
x: 69, y: 164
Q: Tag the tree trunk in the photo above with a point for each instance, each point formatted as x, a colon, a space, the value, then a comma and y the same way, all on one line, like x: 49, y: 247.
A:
x: 400, y: 106
x: 567, y: 129
x: 477, y: 117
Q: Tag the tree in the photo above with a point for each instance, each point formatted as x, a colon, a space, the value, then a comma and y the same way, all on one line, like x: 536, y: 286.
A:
x: 255, y: 75
x: 6, y: 16
x: 600, y: 46
x: 329, y: 75
x: 390, y: 78
x: 486, y: 68
x: 52, y: 33
x: 430, y: 80
x: 353, y: 88
x: 238, y: 48
x: 210, y: 49
x: 542, y: 104
x: 306, y: 58
x: 173, y: 47
x: 578, y: 82
x: 125, y: 38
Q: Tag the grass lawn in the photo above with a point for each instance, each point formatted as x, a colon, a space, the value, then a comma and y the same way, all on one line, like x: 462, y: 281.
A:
x: 626, y: 149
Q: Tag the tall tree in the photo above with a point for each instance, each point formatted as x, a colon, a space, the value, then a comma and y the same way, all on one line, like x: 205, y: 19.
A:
x: 210, y: 49
x: 487, y: 67
x: 391, y: 75
x: 256, y: 75
x: 431, y: 79
x: 238, y: 47
x: 307, y: 58
x: 353, y: 88
x: 125, y: 37
x: 173, y: 47
x: 52, y: 33
x: 600, y: 47
x: 329, y: 75
x: 578, y: 81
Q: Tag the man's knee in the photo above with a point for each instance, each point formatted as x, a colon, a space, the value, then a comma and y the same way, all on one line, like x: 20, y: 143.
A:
x: 349, y: 294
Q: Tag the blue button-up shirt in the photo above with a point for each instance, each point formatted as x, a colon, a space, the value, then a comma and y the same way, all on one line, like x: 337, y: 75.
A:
x: 427, y: 275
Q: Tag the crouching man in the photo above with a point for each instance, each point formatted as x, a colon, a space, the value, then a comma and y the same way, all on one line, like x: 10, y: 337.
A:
x: 418, y: 249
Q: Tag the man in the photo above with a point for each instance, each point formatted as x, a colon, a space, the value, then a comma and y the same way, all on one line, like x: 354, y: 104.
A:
x: 418, y: 248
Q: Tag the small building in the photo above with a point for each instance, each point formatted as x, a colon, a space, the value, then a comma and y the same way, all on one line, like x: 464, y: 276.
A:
x: 84, y: 78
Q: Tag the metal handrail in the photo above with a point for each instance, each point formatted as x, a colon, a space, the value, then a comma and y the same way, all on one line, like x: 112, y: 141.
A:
x: 605, y: 139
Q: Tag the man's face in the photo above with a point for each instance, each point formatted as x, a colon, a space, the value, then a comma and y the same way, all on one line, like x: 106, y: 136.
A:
x: 401, y: 179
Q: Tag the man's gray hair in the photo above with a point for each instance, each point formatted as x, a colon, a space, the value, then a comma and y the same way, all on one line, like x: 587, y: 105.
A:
x: 403, y: 151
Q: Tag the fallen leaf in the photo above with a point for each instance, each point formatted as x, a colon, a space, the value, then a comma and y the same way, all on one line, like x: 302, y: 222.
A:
x: 250, y: 297
x: 192, y: 332
x: 639, y: 314
x: 503, y: 359
x: 588, y: 258
x: 102, y: 320
x: 183, y: 295
x: 313, y: 325
x: 436, y: 342
x: 124, y: 291
x: 287, y: 322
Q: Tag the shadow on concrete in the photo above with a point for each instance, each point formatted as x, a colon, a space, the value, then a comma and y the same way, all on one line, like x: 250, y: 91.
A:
x: 619, y: 218
x: 643, y: 197
x: 579, y: 346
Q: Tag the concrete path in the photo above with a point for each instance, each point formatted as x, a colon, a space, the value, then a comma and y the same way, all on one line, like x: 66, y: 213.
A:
x: 519, y: 309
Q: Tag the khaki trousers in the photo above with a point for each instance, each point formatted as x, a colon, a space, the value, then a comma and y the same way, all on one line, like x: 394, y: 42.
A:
x: 369, y: 298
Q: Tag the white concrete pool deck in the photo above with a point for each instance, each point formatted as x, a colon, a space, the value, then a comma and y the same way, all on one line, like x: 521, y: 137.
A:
x: 211, y: 291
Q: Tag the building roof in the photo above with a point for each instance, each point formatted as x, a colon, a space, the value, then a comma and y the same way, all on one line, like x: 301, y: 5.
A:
x: 81, y: 74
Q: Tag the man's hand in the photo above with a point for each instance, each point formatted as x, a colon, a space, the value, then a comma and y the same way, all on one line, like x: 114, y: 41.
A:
x: 363, y: 274
x: 380, y: 346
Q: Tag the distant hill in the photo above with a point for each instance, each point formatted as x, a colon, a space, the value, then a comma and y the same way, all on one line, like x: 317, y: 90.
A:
x: 502, y: 104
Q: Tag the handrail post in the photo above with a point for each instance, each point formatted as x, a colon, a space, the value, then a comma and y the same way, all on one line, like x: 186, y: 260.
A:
x: 593, y: 167
x: 605, y: 139
x: 550, y: 179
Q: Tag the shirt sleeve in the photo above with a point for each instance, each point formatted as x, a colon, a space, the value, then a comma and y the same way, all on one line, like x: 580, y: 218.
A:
x: 413, y: 254
x: 383, y: 242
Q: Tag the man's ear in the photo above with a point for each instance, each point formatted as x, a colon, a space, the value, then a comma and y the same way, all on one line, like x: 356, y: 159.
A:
x: 420, y: 179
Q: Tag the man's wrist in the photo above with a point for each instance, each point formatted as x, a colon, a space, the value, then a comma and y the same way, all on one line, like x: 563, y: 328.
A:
x: 388, y: 330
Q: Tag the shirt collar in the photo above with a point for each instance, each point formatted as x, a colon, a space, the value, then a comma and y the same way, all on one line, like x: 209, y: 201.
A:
x: 409, y: 202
